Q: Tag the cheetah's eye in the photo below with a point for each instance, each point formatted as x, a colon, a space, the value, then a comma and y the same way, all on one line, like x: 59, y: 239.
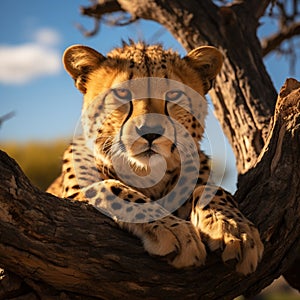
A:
x: 173, y: 95
x: 122, y: 94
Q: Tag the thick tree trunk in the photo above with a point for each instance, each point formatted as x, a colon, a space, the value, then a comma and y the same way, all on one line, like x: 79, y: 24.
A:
x: 68, y: 250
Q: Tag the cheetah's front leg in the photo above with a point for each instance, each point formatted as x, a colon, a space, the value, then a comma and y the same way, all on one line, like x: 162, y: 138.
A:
x: 161, y: 233
x: 222, y: 226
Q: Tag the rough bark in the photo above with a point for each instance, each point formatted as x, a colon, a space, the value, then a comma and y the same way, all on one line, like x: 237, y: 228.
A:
x: 68, y: 250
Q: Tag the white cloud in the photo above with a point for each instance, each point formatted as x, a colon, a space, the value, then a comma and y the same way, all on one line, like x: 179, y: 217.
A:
x: 22, y: 63
x: 47, y: 36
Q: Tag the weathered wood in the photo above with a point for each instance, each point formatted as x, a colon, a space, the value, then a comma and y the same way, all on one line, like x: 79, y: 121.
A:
x: 69, y: 250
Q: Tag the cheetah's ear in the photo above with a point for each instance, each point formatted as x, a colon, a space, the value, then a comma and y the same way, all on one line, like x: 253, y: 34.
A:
x: 79, y: 61
x: 207, y: 61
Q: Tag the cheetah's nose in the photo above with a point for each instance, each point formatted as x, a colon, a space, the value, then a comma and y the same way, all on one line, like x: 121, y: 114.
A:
x: 150, y: 133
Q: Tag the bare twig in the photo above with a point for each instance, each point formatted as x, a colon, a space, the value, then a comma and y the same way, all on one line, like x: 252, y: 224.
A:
x: 6, y: 117
x: 89, y: 33
x: 122, y: 20
x: 274, y: 41
x: 97, y: 12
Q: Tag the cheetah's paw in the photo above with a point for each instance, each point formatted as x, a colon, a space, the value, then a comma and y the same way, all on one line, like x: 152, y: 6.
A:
x: 245, y: 246
x: 238, y: 240
x: 175, y: 239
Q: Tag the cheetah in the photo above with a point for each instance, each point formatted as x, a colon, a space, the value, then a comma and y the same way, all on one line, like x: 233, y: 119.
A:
x: 138, y: 159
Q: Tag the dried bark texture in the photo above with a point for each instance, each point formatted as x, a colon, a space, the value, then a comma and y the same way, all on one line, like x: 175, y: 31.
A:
x: 68, y: 250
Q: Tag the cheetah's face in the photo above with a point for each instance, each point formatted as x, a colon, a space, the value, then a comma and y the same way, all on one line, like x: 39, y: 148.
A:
x: 142, y: 102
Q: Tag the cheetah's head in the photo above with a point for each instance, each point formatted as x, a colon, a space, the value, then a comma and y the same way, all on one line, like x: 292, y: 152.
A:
x: 141, y: 102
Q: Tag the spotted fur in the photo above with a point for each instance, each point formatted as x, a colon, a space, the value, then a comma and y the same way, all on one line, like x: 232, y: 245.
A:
x: 139, y: 132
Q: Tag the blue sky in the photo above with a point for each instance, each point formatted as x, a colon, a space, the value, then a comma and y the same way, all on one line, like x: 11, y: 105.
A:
x: 33, y: 83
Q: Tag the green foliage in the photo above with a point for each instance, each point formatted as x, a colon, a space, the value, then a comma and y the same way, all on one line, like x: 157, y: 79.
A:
x: 40, y: 161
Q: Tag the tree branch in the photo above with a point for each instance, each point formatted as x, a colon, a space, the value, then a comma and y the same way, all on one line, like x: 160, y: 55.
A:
x: 69, y: 249
x: 257, y: 7
x: 274, y: 41
x: 6, y: 117
x: 97, y: 12
x: 101, y: 8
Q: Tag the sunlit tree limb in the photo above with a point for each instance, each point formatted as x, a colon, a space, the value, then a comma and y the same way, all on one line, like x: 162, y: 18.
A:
x: 69, y: 249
